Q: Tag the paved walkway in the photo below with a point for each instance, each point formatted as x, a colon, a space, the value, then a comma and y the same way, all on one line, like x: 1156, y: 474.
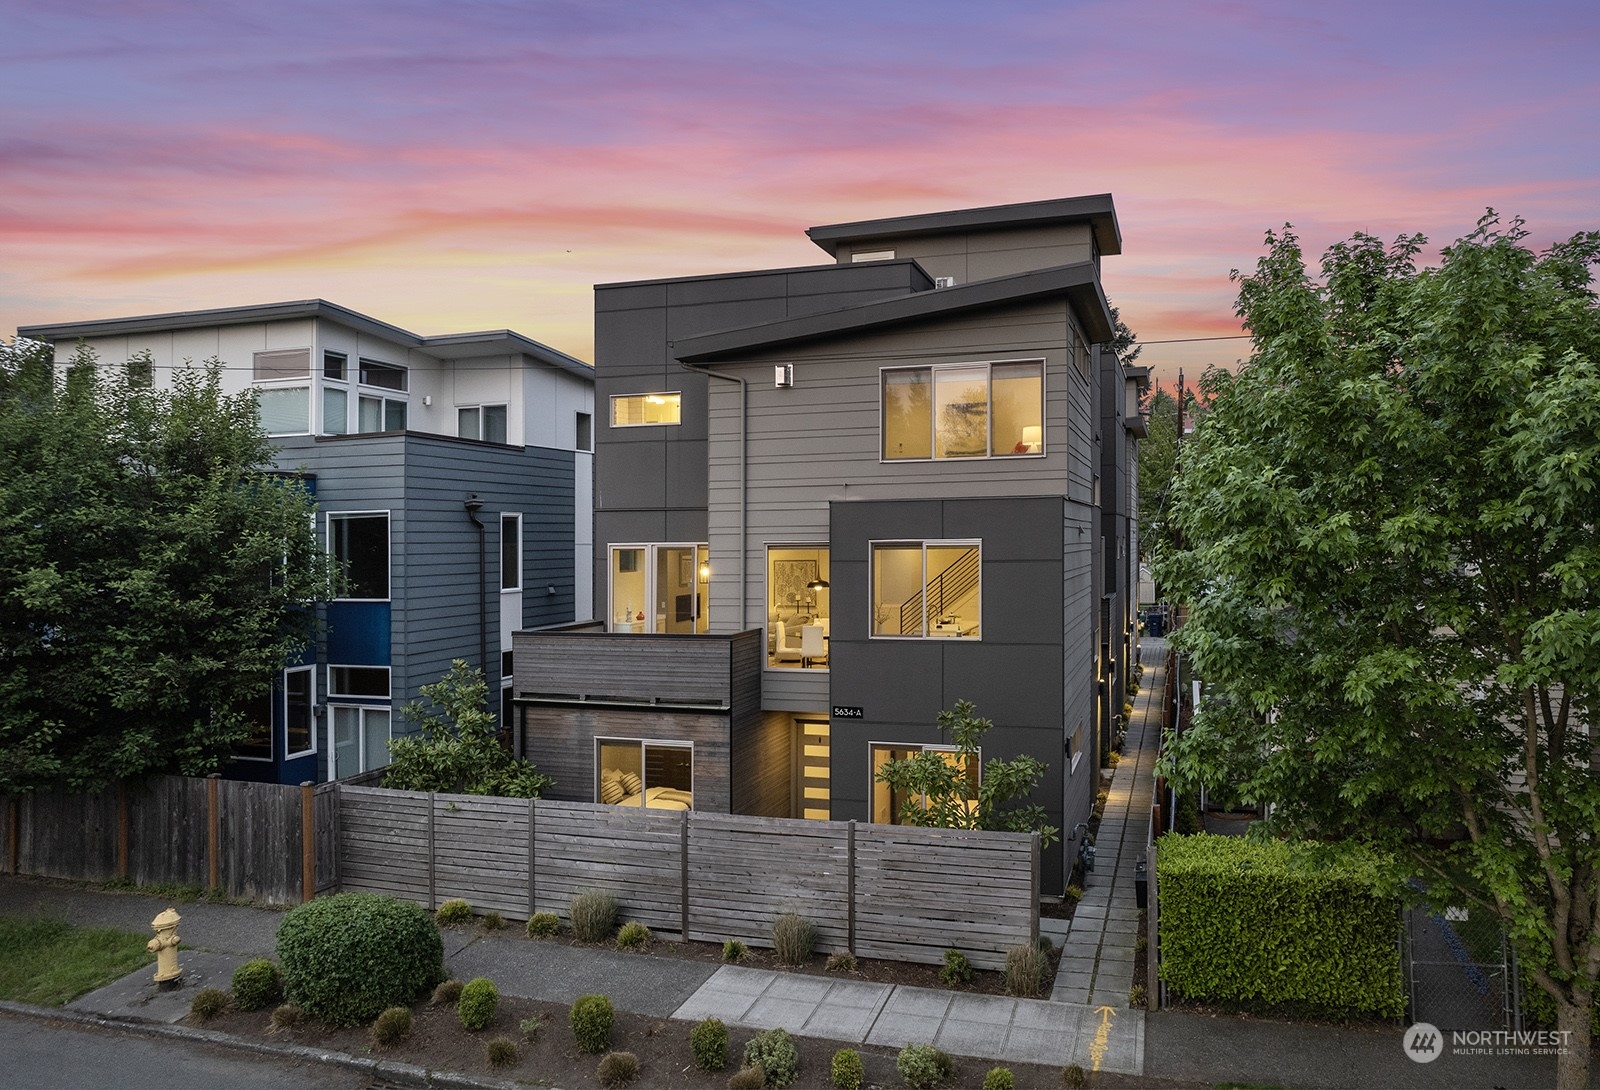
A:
x: 1097, y: 961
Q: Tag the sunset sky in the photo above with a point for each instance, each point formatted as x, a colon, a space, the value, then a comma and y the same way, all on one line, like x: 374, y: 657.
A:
x: 464, y: 164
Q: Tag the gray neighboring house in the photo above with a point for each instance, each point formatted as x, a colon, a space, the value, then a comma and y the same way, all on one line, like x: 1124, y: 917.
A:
x: 834, y: 500
x: 410, y: 444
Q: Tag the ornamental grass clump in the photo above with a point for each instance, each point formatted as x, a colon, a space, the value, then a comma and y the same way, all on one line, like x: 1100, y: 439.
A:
x: 476, y: 1008
x: 709, y: 1043
x: 391, y: 1027
x: 1073, y: 1077
x: 1025, y: 969
x: 286, y: 1016
x: 747, y: 1078
x: 775, y: 1054
x: 453, y: 911
x: 501, y: 1052
x: 617, y: 1069
x: 793, y: 937
x: 841, y: 963
x: 493, y: 921
x: 592, y: 1017
x: 847, y: 1072
x: 256, y: 985
x: 923, y: 1066
x: 594, y: 916
x: 447, y: 994
x: 348, y: 957
x: 208, y: 1003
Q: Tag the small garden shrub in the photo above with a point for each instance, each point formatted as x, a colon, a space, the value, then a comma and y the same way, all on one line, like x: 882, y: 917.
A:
x: 208, y: 1003
x: 733, y: 950
x: 923, y: 1066
x: 1136, y: 997
x: 447, y: 994
x: 1279, y: 923
x: 747, y: 1078
x: 347, y: 957
x: 617, y: 1069
x: 287, y: 1016
x: 957, y: 969
x: 478, y: 1000
x: 999, y: 1078
x: 592, y: 1018
x: 391, y: 1027
x: 847, y: 1071
x: 530, y: 1027
x: 774, y: 1053
x: 594, y: 916
x: 709, y: 1043
x: 501, y: 1052
x: 493, y: 921
x: 1073, y: 1077
x: 453, y: 912
x: 841, y: 963
x: 257, y: 985
x: 1074, y: 893
x: 793, y: 937
x: 543, y: 924
x: 633, y: 936
x: 1025, y: 969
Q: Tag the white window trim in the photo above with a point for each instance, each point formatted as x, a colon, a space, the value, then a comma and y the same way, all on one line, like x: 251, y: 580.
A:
x: 361, y: 733
x: 650, y: 548
x: 312, y: 671
x: 480, y: 406
x: 872, y: 585
x: 1044, y: 401
x: 346, y: 698
x: 665, y: 743
x: 648, y: 393
x: 389, y: 523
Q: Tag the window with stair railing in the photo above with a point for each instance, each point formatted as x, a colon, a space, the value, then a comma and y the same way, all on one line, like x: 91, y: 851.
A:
x: 927, y: 589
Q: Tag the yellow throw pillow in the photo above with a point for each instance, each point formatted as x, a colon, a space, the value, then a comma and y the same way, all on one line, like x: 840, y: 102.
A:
x: 631, y: 783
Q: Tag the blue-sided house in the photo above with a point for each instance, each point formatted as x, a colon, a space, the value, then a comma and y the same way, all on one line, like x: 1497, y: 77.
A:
x: 454, y: 482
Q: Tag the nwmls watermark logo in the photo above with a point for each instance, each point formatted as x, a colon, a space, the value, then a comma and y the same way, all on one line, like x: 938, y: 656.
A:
x: 1424, y: 1043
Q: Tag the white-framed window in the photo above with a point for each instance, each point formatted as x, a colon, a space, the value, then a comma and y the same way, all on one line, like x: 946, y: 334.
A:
x: 799, y: 606
x: 377, y: 411
x: 963, y: 410
x: 872, y: 255
x: 927, y: 589
x: 644, y: 772
x: 359, y: 544
x: 888, y: 803
x: 299, y: 711
x: 484, y: 422
x: 510, y: 552
x: 335, y: 393
x: 282, y: 379
x: 660, y: 588
x: 359, y: 681
x: 358, y: 739
x: 646, y: 410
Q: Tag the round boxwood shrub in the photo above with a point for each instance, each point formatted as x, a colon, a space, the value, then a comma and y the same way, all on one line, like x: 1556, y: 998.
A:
x: 709, y: 1042
x: 774, y: 1053
x: 479, y: 998
x: 453, y: 911
x: 847, y: 1071
x: 256, y: 985
x: 999, y: 1078
x: 923, y: 1066
x: 592, y: 1018
x: 542, y: 924
x: 348, y: 957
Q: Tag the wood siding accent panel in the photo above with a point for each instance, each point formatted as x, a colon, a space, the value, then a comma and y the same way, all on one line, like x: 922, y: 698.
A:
x: 763, y: 765
x: 560, y: 741
x: 620, y: 666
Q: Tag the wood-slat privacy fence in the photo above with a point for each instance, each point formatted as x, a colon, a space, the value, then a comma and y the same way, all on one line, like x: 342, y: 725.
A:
x: 879, y: 891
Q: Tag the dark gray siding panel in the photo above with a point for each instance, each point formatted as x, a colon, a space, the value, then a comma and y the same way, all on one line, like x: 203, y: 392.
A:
x: 763, y: 766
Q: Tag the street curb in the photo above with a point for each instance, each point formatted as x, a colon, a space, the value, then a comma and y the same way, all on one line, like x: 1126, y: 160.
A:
x: 388, y: 1070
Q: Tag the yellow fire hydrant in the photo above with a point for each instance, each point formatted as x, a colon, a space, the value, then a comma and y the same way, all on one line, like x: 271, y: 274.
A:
x: 165, y: 947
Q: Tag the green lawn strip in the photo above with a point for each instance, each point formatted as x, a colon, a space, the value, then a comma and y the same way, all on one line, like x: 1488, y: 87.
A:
x: 49, y: 962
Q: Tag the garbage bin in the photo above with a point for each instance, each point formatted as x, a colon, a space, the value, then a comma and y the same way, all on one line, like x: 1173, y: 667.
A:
x: 1155, y: 625
x: 1141, y: 886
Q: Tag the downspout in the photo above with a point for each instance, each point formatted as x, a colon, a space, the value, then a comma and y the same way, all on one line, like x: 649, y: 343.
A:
x: 473, y: 505
x: 744, y: 479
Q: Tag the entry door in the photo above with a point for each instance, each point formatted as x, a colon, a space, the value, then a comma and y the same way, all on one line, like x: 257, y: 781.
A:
x: 814, y: 749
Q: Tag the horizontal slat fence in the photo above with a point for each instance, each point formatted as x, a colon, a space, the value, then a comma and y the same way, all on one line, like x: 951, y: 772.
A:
x: 745, y: 871
x: 481, y: 852
x: 385, y: 843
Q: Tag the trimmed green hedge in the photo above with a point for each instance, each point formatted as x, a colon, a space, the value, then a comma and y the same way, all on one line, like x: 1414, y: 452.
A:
x: 1275, y: 924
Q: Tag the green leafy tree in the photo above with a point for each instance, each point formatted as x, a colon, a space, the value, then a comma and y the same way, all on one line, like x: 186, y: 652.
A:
x: 1390, y: 524
x: 154, y: 574
x: 458, y: 749
x: 938, y: 787
x: 1158, y: 462
x: 1124, y: 341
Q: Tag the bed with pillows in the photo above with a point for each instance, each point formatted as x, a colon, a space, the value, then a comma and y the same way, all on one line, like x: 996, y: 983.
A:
x: 619, y: 788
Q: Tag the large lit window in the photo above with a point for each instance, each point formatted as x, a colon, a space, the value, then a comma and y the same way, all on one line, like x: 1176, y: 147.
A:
x: 888, y: 803
x: 486, y: 422
x: 927, y: 589
x: 966, y: 410
x: 360, y: 546
x: 645, y: 410
x: 659, y: 775
x: 659, y: 588
x: 798, y: 606
x: 283, y: 378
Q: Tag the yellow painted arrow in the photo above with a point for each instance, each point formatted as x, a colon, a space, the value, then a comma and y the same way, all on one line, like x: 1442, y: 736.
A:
x: 1106, y: 1014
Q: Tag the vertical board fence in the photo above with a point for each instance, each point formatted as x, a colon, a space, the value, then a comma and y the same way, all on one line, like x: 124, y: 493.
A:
x: 880, y: 891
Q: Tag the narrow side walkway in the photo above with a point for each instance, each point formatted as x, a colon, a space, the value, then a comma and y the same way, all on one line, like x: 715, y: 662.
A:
x: 1097, y: 961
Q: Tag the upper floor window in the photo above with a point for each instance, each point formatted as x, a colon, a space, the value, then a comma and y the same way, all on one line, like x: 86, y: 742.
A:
x: 385, y: 375
x: 381, y: 413
x: 584, y: 431
x: 360, y: 546
x: 872, y: 255
x: 963, y: 410
x: 927, y: 589
x: 285, y: 400
x: 510, y: 552
x: 486, y: 422
x: 645, y: 410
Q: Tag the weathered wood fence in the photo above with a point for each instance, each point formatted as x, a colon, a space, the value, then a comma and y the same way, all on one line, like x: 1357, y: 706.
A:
x: 881, y: 891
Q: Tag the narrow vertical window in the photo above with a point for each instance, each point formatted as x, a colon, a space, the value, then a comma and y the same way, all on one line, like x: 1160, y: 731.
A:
x: 510, y: 552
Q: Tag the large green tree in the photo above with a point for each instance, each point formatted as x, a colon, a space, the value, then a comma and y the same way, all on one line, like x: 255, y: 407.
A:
x: 1391, y: 556
x: 1158, y: 462
x: 154, y: 573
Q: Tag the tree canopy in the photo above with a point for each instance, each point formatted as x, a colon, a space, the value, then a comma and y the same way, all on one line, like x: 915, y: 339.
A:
x: 458, y: 749
x: 155, y: 575
x: 1389, y: 522
x: 1158, y: 461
